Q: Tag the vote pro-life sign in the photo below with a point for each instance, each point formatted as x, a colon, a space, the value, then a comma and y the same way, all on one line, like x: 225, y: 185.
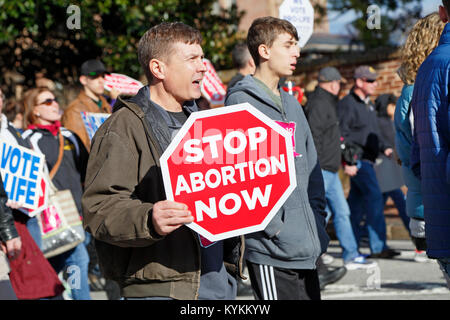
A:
x: 92, y: 121
x: 21, y: 171
x: 301, y: 14
x: 234, y: 168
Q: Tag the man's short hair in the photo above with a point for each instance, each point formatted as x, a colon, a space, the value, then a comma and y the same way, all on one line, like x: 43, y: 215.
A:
x: 446, y: 4
x: 240, y: 55
x: 264, y: 31
x: 157, y: 42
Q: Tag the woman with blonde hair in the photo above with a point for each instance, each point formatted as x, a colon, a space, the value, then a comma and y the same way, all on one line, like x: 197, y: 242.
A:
x: 63, y: 150
x: 422, y: 39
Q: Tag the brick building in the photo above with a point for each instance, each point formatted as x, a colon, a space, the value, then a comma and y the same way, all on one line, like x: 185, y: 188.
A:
x: 386, y: 61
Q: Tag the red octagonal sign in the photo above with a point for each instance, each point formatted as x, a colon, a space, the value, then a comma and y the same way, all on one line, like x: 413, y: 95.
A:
x: 234, y: 168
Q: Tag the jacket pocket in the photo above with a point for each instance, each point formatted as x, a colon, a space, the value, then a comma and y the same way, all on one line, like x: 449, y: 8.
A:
x: 295, y: 240
x: 176, y: 257
x: 301, y: 163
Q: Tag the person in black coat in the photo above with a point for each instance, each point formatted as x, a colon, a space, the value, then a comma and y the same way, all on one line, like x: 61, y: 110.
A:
x: 359, y: 127
x: 321, y: 113
x: 10, y: 245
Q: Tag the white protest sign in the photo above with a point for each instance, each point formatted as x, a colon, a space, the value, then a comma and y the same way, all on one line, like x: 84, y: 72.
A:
x: 92, y: 121
x: 123, y: 83
x: 21, y: 171
x: 42, y: 202
x: 301, y: 14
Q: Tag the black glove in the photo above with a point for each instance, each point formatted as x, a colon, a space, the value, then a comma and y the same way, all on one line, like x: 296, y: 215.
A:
x: 351, y: 153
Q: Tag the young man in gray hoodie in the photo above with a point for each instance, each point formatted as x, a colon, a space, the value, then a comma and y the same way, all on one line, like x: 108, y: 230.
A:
x: 282, y: 258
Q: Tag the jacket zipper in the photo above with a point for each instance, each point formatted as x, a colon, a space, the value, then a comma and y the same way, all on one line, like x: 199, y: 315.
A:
x: 154, y: 142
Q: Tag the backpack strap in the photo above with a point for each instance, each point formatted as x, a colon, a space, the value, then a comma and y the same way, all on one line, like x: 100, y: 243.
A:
x: 60, y: 155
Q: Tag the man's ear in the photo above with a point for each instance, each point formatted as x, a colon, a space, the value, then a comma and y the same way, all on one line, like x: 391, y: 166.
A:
x: 157, y: 68
x: 443, y: 14
x: 251, y: 63
x: 83, y: 80
x: 264, y: 51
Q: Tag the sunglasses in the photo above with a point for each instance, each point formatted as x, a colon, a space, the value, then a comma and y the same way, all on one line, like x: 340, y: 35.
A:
x: 48, y: 102
x: 369, y: 80
x: 95, y: 75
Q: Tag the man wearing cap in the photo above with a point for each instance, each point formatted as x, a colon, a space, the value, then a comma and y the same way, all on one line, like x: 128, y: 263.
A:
x: 90, y: 99
x: 323, y: 121
x: 359, y: 129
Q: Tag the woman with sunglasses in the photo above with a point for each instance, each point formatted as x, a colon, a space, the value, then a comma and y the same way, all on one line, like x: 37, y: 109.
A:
x: 42, y: 119
x: 32, y: 277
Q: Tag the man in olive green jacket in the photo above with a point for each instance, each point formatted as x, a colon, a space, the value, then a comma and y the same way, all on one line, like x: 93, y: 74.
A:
x: 141, y: 238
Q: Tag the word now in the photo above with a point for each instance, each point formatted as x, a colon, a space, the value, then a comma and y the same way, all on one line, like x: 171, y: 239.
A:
x: 214, y: 178
x: 20, y: 173
x: 249, y: 200
x: 194, y: 146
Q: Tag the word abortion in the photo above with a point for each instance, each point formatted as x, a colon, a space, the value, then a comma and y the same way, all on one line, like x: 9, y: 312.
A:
x: 229, y: 175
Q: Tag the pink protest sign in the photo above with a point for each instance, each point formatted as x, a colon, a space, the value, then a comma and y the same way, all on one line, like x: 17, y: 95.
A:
x: 290, y: 127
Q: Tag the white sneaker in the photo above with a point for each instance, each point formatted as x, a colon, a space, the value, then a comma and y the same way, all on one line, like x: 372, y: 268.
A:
x: 327, y: 259
x: 359, y: 262
x: 421, y: 256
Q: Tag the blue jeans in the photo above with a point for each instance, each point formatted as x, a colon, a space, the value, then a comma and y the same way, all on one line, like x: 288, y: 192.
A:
x: 337, y: 206
x: 365, y: 198
x: 444, y: 263
x: 399, y: 199
x: 35, y: 231
x: 75, y: 262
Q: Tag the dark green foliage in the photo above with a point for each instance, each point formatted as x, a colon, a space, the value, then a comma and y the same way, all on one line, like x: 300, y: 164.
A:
x: 34, y: 35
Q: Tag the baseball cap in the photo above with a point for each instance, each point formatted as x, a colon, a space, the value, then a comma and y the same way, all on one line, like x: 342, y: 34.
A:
x: 365, y: 72
x: 328, y: 74
x: 92, y: 68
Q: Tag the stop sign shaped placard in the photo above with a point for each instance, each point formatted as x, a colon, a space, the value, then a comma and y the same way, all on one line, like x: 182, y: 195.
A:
x: 234, y: 168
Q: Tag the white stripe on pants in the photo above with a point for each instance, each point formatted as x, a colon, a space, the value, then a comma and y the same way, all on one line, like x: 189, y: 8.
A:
x: 268, y: 282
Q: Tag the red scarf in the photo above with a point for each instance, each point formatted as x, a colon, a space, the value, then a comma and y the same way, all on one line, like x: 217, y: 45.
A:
x: 53, y: 128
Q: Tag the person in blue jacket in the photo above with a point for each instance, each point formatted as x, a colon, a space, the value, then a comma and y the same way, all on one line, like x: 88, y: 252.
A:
x: 414, y: 52
x: 430, y: 154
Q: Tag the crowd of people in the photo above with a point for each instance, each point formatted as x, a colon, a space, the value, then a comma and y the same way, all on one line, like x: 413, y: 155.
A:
x: 134, y: 235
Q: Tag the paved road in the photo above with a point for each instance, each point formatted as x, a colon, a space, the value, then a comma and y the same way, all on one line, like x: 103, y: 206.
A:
x: 400, y: 278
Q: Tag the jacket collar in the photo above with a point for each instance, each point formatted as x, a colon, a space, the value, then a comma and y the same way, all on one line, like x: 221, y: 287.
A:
x: 249, y: 85
x: 366, y: 101
x: 82, y: 96
x: 445, y: 36
x: 155, y: 116
x: 327, y: 95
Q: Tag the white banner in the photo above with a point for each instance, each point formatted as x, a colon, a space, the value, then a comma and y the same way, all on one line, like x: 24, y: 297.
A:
x: 92, y: 121
x: 21, y: 171
x: 123, y: 83
x: 301, y: 14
